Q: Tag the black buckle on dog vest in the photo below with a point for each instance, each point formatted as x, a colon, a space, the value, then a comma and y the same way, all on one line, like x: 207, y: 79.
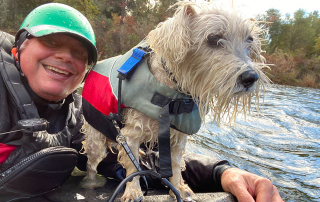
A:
x: 178, y: 106
x: 169, y: 106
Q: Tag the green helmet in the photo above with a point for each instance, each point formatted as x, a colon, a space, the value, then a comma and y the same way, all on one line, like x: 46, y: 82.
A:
x: 55, y: 18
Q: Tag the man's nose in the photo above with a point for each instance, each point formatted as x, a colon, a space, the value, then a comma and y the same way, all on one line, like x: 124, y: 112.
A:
x: 64, y: 53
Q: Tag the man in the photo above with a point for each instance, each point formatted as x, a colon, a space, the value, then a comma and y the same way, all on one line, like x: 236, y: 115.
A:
x: 53, y: 48
x: 40, y: 111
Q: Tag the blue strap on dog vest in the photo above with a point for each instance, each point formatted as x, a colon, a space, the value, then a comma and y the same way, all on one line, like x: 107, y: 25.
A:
x: 127, y: 69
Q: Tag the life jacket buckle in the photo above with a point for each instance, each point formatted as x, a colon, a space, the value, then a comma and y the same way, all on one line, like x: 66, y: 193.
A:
x: 33, y: 125
x: 178, y: 106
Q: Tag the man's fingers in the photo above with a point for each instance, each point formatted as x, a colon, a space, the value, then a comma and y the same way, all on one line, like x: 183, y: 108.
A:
x: 264, y: 190
x: 248, y: 187
x: 240, y: 191
x: 276, y: 196
x: 267, y: 192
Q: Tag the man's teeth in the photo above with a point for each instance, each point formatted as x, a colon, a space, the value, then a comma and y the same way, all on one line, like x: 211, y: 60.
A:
x: 56, y: 71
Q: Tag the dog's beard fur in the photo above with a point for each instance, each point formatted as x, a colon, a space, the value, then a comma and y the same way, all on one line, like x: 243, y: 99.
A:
x: 210, y: 74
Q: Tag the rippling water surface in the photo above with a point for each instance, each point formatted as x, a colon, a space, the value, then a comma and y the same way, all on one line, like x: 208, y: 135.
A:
x: 282, y: 144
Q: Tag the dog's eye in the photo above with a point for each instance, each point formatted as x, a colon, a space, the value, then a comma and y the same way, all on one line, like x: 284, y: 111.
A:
x: 214, y: 40
x: 250, y: 39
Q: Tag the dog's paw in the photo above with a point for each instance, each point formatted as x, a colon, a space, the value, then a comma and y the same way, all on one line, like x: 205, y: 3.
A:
x: 132, y: 195
x: 98, y: 181
x: 186, y: 193
x: 78, y: 173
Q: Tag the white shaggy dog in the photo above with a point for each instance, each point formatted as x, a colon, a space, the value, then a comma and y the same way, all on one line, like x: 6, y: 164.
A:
x: 204, y: 52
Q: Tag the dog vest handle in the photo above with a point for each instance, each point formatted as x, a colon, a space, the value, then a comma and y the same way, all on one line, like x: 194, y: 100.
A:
x: 128, y: 68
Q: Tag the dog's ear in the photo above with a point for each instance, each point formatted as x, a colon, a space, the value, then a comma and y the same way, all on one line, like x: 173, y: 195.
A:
x: 172, y: 38
x: 190, y: 11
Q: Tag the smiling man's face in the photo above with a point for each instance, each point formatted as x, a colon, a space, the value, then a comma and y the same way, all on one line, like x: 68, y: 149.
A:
x: 54, y: 65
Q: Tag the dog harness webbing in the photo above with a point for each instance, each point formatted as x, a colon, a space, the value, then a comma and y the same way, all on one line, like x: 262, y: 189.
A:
x: 125, y: 71
x: 168, y: 105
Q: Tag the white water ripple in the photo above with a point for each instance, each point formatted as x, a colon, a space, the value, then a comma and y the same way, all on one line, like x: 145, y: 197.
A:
x: 281, y: 143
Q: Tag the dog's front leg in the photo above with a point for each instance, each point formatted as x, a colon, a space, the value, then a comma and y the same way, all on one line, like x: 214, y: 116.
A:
x: 133, y: 191
x: 95, y: 148
x: 178, y: 144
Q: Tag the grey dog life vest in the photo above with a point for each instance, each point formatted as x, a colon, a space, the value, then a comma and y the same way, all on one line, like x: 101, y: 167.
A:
x: 137, y: 92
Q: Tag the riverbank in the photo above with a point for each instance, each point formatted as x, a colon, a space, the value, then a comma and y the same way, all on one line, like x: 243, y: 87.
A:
x: 294, y: 69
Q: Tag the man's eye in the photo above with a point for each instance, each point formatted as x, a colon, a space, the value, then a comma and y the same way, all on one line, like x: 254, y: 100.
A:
x: 49, y: 42
x: 81, y: 53
x: 52, y: 42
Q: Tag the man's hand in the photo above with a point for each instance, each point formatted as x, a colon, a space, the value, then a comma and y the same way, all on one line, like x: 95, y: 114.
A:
x: 248, y: 187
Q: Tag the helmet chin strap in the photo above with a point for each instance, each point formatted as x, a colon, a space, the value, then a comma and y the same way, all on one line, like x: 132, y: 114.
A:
x: 23, y: 36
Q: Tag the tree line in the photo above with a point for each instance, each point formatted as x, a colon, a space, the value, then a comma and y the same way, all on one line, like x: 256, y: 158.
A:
x: 292, y: 43
x: 293, y: 46
x: 118, y: 24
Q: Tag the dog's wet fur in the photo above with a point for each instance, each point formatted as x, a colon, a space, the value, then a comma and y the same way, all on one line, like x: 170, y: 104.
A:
x: 214, y: 56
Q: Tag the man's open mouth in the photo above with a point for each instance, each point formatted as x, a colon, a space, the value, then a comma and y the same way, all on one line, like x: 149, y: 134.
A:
x: 56, y: 71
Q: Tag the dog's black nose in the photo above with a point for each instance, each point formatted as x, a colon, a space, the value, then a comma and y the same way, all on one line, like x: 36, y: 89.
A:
x: 248, y: 78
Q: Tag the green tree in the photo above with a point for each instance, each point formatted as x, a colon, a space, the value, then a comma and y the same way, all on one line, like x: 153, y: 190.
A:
x: 13, y: 12
x: 86, y: 7
x: 317, y: 45
x: 4, y: 13
x: 272, y: 22
x: 301, y: 34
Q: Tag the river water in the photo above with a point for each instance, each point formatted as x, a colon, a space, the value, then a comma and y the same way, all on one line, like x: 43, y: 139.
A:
x: 282, y: 143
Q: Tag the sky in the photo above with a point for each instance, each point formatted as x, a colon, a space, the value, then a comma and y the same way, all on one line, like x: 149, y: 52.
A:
x: 250, y: 8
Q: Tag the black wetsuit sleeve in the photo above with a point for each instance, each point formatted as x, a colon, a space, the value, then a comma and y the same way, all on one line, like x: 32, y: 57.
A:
x: 203, y: 173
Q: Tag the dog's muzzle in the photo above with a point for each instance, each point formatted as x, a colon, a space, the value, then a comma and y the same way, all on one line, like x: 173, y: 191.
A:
x: 248, y: 78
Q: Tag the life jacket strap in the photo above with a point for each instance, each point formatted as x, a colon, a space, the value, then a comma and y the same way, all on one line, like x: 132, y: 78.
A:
x: 169, y: 106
